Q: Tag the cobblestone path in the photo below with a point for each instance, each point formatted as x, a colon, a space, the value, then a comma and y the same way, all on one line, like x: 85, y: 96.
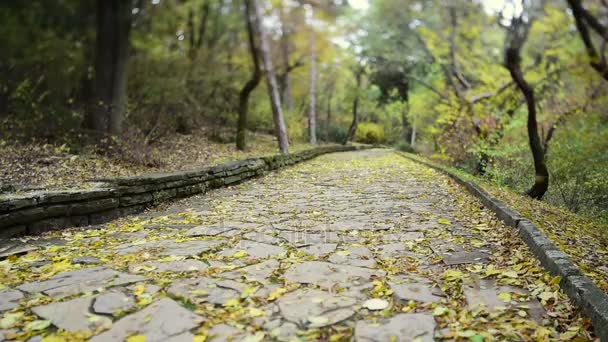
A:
x: 364, y: 245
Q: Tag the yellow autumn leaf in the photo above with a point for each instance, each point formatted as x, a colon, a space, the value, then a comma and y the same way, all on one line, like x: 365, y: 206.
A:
x: 556, y: 280
x: 248, y: 291
x: 510, y: 274
x: 277, y: 293
x: 139, y: 290
x: 440, y: 311
x: 10, y: 320
x: 53, y: 338
x: 239, y: 254
x: 199, y: 338
x: 232, y: 303
x: 545, y: 296
x: 136, y: 338
x: 491, y: 270
x: 255, y: 312
x: 453, y: 274
x: 37, y: 325
x: 505, y: 296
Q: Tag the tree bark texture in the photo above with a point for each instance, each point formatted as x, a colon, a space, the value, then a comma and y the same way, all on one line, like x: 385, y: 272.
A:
x: 312, y: 103
x: 273, y: 88
x: 112, y: 53
x: 584, y: 20
x: 513, y: 64
x: 353, y: 126
x: 285, y: 51
x: 249, y: 87
x: 330, y: 95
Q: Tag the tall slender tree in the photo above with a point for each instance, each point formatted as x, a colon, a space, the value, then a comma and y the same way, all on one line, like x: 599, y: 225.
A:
x: 249, y: 87
x: 312, y: 101
x: 285, y: 52
x: 352, y: 130
x: 112, y: 53
x: 273, y: 87
x: 517, y: 34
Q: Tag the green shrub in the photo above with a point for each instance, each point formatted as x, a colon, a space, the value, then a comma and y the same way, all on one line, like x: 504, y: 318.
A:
x: 370, y: 133
x: 404, y: 147
x: 337, y: 134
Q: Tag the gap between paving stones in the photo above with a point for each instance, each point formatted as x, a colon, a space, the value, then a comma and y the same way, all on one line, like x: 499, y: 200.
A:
x: 582, y: 291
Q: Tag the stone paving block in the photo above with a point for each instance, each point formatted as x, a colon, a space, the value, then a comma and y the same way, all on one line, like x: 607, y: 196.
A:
x: 11, y: 247
x: 354, y: 256
x: 402, y: 237
x: 391, y: 250
x: 254, y: 250
x: 312, y: 308
x: 417, y: 327
x: 72, y: 315
x: 9, y: 299
x: 158, y: 322
x: 327, y: 275
x: 319, y: 249
x: 112, y: 302
x: 458, y: 258
x: 5, y: 333
x: 256, y: 272
x: 209, y: 230
x: 285, y: 332
x: 264, y: 238
x: 86, y: 260
x: 299, y: 238
x: 484, y: 294
x: 415, y: 289
x: 224, y: 332
x: 205, y: 289
x: 80, y: 281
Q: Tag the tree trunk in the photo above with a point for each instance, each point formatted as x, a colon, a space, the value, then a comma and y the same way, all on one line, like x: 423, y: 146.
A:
x: 405, y: 128
x: 413, y: 138
x: 312, y: 103
x: 582, y: 19
x: 273, y: 89
x: 241, y: 131
x: 330, y: 96
x: 285, y: 79
x: 353, y: 126
x: 113, y: 28
x: 541, y: 184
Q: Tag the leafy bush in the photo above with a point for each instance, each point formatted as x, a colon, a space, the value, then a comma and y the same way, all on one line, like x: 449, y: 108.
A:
x: 404, y: 147
x: 337, y: 134
x: 370, y: 133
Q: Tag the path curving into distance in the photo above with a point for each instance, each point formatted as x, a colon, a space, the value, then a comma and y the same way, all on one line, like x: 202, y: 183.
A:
x: 365, y: 245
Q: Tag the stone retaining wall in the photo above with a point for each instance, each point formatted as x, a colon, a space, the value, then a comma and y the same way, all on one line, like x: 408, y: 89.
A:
x: 36, y: 212
x: 581, y: 290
